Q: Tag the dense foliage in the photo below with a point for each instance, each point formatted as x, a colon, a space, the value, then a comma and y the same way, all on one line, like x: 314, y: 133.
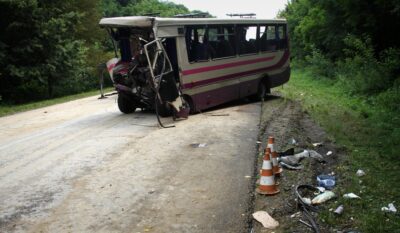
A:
x: 353, y: 42
x: 50, y: 48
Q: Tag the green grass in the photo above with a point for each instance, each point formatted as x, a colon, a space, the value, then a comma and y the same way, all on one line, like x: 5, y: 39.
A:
x: 12, y: 109
x: 371, y: 138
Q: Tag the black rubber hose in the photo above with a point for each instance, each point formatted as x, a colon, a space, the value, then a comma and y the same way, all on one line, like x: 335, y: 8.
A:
x: 306, y: 207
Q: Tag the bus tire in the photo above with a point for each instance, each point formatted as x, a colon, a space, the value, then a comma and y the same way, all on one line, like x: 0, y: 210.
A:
x: 190, y: 103
x: 125, y: 105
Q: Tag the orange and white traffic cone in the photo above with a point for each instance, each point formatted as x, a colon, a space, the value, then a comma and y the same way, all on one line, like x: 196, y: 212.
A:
x: 267, y: 181
x: 274, y: 156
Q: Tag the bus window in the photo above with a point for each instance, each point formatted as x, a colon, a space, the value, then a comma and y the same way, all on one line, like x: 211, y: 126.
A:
x: 197, y: 45
x: 282, y: 37
x: 262, y: 41
x: 271, y: 38
x: 247, y: 36
x: 222, y: 40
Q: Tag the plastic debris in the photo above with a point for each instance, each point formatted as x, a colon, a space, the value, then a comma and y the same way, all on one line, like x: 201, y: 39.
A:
x: 321, y: 189
x: 326, y: 181
x: 304, y: 154
x: 258, y: 142
x: 294, y: 160
x: 285, y: 165
x: 339, y: 210
x: 290, y: 160
x: 390, y: 208
x: 329, y: 153
x: 265, y: 219
x: 287, y: 152
x: 323, y: 197
x: 360, y: 173
x: 247, y: 177
x: 295, y: 215
x: 293, y: 141
x: 351, y: 196
x: 316, y: 155
x: 317, y: 144
x: 198, y: 145
x: 306, y: 200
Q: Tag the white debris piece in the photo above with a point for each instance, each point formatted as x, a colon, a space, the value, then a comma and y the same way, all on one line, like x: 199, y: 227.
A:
x: 306, y: 200
x: 351, y: 196
x: 360, y: 172
x: 317, y: 144
x: 329, y: 153
x: 327, y: 195
x: 265, y: 219
x: 316, y: 155
x: 321, y: 189
x: 390, y: 208
x: 304, y: 154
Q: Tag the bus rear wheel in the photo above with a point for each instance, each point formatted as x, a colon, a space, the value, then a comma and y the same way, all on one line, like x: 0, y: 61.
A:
x: 126, y: 105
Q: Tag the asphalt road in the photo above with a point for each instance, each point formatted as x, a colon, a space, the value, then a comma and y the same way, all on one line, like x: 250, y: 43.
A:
x: 83, y: 166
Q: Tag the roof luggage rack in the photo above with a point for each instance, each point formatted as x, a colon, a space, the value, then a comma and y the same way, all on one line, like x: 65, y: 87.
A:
x: 192, y: 15
x: 246, y: 15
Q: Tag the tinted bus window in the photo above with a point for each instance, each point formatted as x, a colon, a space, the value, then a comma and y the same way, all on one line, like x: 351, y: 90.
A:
x: 262, y: 41
x: 198, y: 48
x: 271, y: 38
x: 222, y: 40
x: 247, y: 36
x: 282, y: 37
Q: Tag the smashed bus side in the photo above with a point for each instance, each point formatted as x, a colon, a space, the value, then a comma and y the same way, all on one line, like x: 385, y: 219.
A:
x: 142, y: 73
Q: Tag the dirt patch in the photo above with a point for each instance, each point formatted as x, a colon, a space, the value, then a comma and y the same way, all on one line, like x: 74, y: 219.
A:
x: 287, y: 121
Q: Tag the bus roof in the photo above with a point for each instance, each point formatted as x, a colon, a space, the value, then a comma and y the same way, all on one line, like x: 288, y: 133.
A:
x: 145, y: 21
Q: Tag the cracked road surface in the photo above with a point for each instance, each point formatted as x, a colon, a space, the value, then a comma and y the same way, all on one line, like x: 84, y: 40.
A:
x: 83, y: 166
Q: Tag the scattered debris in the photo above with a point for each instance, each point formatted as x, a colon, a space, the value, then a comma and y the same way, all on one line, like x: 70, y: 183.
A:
x: 351, y: 196
x: 290, y: 160
x: 316, y: 155
x: 360, y: 173
x: 329, y: 153
x: 326, y: 181
x: 317, y: 144
x: 247, y: 177
x: 296, y: 215
x: 265, y: 219
x: 304, y: 154
x: 258, y: 142
x: 293, y: 141
x: 294, y: 160
x: 323, y: 197
x: 339, y: 210
x: 306, y: 208
x: 286, y: 152
x: 198, y: 145
x: 306, y: 200
x: 290, y: 167
x: 390, y: 208
x: 321, y: 189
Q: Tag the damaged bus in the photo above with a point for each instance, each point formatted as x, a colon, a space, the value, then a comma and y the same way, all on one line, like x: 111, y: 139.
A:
x: 181, y: 65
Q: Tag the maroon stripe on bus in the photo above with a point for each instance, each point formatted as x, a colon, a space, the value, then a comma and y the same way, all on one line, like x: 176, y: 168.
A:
x: 236, y: 75
x: 224, y: 66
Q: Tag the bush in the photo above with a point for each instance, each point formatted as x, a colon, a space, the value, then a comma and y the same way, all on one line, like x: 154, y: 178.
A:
x: 362, y: 72
x: 319, y: 64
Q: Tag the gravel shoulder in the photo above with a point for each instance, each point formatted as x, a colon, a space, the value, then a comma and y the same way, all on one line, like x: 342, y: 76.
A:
x: 286, y: 121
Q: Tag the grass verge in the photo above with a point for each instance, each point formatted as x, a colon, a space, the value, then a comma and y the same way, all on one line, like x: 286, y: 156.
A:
x: 12, y: 109
x: 371, y: 136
